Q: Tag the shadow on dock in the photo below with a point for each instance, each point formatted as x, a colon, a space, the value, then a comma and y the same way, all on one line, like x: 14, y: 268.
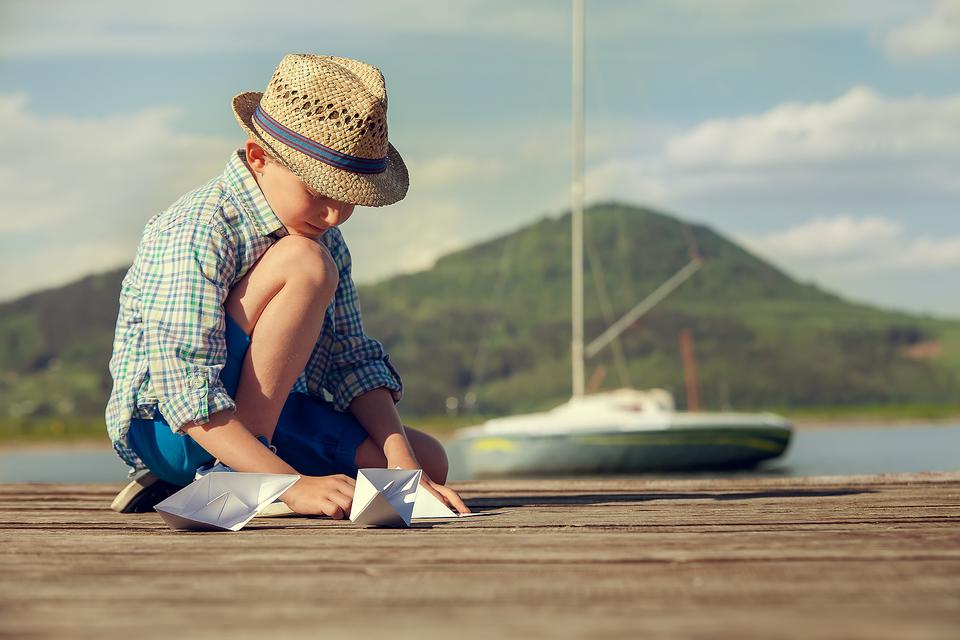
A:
x: 613, y: 498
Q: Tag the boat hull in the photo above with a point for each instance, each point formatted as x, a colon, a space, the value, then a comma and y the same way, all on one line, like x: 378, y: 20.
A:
x: 617, y: 451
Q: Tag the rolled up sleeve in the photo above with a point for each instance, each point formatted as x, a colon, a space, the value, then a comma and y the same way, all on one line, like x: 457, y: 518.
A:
x: 184, y: 321
x: 358, y: 363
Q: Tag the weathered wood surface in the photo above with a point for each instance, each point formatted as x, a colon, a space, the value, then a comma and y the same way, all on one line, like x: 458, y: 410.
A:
x: 859, y: 557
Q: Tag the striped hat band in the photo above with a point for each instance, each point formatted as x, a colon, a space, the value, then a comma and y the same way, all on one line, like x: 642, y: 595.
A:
x: 315, y: 150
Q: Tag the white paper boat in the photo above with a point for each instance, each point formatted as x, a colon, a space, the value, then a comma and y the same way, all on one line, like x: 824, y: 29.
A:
x: 429, y: 507
x: 394, y: 498
x: 385, y: 497
x: 223, y: 501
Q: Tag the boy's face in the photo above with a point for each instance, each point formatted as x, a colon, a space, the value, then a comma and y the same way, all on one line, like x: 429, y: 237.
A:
x: 302, y: 211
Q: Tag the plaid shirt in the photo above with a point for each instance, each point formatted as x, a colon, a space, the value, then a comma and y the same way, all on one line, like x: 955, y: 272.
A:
x: 170, y: 343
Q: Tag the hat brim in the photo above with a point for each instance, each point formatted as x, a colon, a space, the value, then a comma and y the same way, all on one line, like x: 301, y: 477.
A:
x: 368, y: 190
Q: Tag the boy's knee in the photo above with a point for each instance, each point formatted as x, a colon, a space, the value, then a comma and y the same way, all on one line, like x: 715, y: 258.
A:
x: 301, y: 261
x: 430, y: 453
x: 428, y: 450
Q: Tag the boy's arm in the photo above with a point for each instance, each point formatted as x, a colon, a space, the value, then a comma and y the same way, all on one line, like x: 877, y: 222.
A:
x: 363, y: 381
x: 376, y: 411
x: 357, y: 363
x: 190, y: 273
x: 226, y: 438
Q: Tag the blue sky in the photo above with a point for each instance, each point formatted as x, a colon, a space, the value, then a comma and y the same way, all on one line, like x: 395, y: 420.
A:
x: 824, y: 135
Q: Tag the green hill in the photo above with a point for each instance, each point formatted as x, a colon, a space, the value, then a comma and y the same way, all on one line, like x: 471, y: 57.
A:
x: 762, y: 339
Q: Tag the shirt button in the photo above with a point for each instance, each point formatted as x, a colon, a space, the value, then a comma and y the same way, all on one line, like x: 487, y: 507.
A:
x: 199, y: 382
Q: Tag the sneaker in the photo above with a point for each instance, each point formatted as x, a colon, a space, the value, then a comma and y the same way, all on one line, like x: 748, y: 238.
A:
x: 142, y: 493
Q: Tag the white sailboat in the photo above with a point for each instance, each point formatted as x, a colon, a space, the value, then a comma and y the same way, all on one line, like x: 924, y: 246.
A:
x: 623, y: 431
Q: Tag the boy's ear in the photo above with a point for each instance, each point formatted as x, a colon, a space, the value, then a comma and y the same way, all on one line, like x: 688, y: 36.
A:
x: 256, y: 156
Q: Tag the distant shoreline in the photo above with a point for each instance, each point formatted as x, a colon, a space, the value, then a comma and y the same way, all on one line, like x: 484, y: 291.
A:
x: 100, y: 443
x: 853, y: 422
x: 80, y: 444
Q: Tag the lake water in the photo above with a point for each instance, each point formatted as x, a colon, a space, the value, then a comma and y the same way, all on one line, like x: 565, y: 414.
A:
x: 813, y: 452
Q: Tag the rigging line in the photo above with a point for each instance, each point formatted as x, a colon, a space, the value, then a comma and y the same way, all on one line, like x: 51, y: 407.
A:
x: 643, y: 307
x: 627, y: 290
x: 601, y: 104
x: 624, y: 253
x: 599, y: 282
x: 693, y: 248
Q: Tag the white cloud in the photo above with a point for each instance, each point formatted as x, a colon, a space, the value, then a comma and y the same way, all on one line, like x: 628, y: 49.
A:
x: 838, y: 237
x: 929, y: 253
x: 187, y: 26
x: 936, y: 33
x: 449, y: 170
x: 848, y: 244
x: 858, y: 124
x: 77, y: 191
x: 406, y: 237
x: 32, y: 27
x: 793, y: 165
x: 763, y: 16
x: 875, y: 259
x: 861, y: 144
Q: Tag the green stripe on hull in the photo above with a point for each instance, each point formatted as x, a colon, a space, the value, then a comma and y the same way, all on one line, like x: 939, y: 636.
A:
x: 756, y: 442
x: 637, y: 452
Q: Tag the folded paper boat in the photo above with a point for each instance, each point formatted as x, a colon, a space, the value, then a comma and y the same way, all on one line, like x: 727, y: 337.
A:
x: 223, y: 501
x: 384, y: 497
x: 429, y: 507
x: 394, y: 498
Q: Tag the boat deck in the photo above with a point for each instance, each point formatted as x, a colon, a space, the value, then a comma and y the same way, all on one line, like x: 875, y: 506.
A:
x: 869, y: 557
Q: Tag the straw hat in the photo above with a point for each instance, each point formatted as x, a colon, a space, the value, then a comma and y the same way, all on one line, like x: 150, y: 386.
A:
x: 325, y: 118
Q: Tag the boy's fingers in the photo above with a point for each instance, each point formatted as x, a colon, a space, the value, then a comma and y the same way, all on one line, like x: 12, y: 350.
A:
x: 435, y: 490
x: 454, y: 499
x: 448, y: 496
x: 343, y: 501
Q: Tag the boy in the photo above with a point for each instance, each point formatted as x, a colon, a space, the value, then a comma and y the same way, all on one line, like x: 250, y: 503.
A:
x: 239, y: 313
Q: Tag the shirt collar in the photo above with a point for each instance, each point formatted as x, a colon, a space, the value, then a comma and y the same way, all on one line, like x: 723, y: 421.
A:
x: 241, y: 181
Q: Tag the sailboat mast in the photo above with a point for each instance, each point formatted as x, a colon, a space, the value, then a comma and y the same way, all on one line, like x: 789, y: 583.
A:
x: 576, y: 198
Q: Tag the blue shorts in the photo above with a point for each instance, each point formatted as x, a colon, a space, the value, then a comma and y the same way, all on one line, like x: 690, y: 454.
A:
x: 310, y: 436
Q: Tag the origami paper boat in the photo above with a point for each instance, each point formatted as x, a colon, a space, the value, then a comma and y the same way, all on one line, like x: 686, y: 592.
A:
x: 223, y: 501
x: 429, y: 506
x: 385, y: 497
x: 394, y: 498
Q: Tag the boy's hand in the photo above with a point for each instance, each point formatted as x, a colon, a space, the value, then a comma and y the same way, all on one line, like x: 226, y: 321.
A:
x: 446, y: 495
x: 327, y: 495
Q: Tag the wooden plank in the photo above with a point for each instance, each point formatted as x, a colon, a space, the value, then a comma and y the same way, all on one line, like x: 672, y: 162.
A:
x: 869, y: 556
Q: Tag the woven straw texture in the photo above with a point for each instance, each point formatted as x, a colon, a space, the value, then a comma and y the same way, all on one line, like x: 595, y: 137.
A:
x: 341, y: 104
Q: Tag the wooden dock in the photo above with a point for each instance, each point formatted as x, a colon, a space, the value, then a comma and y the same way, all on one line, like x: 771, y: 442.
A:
x: 853, y: 557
